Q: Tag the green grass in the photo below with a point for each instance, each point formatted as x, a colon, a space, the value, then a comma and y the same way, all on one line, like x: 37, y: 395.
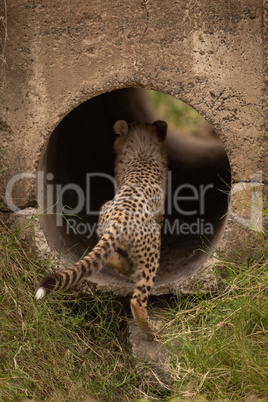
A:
x: 62, y: 348
x: 224, y: 339
x: 180, y: 116
x: 68, y: 348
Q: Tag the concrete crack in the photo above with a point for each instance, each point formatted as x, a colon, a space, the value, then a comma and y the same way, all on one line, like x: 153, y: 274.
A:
x: 144, y: 6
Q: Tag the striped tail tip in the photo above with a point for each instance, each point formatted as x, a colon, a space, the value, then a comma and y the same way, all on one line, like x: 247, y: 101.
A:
x: 47, y: 285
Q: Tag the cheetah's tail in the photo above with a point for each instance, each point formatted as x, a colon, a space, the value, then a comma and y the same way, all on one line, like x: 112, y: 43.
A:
x: 89, y: 265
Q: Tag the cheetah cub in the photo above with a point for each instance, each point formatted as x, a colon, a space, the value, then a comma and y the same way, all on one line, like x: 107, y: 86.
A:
x: 129, y: 227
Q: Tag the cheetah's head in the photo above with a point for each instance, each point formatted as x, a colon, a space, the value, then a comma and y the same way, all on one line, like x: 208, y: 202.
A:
x: 139, y: 140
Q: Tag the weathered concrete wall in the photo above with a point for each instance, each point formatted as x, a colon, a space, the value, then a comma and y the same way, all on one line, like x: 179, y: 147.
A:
x: 58, y: 55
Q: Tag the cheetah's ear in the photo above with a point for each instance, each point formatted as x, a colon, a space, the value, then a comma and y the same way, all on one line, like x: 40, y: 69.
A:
x: 161, y: 128
x: 121, y: 127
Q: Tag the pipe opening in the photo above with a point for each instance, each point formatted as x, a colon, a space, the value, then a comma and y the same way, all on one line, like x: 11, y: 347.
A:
x: 77, y: 167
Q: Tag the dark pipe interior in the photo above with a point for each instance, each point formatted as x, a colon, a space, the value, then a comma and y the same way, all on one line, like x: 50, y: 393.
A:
x: 83, y: 143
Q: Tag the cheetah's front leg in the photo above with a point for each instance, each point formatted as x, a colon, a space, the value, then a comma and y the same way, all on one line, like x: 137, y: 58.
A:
x: 139, y: 311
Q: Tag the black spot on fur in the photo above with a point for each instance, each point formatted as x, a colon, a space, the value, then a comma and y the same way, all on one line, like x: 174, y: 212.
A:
x: 144, y: 300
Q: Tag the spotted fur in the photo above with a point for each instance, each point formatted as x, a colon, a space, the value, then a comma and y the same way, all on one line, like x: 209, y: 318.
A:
x: 129, y: 225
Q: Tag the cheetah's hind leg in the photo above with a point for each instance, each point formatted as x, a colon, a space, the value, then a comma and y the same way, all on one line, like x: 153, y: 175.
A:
x: 120, y: 262
x: 139, y: 300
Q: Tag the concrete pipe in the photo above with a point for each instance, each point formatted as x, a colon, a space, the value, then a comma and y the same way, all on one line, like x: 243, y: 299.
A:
x: 71, y: 70
x: 77, y: 171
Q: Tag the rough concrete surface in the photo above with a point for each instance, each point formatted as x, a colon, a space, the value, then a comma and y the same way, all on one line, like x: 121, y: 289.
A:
x: 62, y: 66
